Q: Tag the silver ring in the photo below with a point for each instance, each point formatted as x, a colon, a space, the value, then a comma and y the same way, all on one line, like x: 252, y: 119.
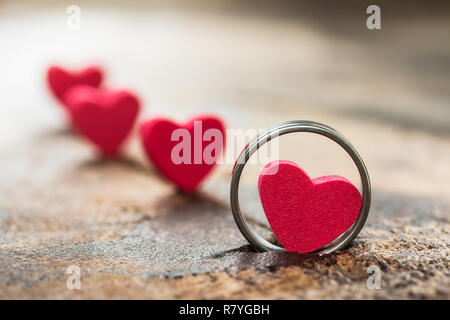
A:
x: 289, y: 127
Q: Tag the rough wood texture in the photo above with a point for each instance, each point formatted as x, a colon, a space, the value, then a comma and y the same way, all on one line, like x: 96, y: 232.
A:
x: 134, y: 236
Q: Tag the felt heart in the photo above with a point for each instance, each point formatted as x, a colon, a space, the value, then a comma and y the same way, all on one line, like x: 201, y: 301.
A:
x: 185, y: 154
x: 104, y: 117
x: 306, y: 214
x: 59, y: 79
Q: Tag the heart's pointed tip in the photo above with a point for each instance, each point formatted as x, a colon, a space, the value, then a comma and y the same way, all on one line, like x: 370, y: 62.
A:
x: 110, y: 154
x: 189, y: 191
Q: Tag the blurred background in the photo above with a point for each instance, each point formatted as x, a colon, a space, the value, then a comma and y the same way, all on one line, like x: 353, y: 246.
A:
x: 254, y: 63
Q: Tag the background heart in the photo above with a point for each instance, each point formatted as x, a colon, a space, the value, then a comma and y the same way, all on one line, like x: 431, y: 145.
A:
x: 104, y: 117
x: 59, y: 79
x: 306, y: 214
x: 157, y: 139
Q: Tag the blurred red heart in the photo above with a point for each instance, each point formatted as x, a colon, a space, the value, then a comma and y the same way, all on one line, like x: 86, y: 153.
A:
x: 185, y: 154
x: 59, y: 79
x: 306, y: 214
x: 104, y: 117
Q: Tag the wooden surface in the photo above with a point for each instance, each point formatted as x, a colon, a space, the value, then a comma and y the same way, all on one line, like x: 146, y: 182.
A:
x: 133, y: 235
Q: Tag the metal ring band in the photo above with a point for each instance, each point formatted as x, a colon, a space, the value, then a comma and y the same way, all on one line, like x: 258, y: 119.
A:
x: 289, y: 127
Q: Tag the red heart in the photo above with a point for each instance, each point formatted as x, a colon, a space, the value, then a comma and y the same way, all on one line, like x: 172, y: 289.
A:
x: 164, y: 149
x: 59, y: 79
x: 104, y: 117
x: 306, y: 214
